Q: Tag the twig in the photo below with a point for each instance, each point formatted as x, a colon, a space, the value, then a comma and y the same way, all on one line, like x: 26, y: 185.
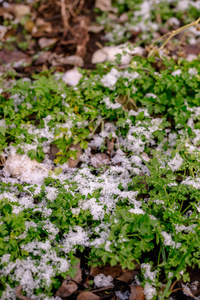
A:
x: 191, y: 295
x: 65, y: 17
x: 173, y: 284
x: 171, y: 35
x: 177, y: 31
x: 80, y: 5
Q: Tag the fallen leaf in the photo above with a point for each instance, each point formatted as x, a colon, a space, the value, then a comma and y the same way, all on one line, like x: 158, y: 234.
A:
x: 191, y: 49
x: 123, y: 18
x: 127, y: 103
x: 137, y: 293
x: 87, y: 296
x: 100, y: 159
x: 21, y: 10
x: 5, y: 12
x: 43, y: 58
x: 29, y: 26
x: 53, y: 150
x: 67, y: 288
x: 14, y: 56
x: 44, y: 42
x: 96, y: 28
x: 18, y: 293
x: 128, y: 276
x: 145, y: 156
x: 78, y: 277
x: 104, y: 5
x: 43, y: 26
x: 72, y: 163
x: 112, y: 17
x: 69, y: 60
x: 113, y: 271
x: 110, y: 145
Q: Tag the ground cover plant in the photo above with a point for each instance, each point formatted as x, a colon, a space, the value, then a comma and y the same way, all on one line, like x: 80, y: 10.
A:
x: 103, y: 174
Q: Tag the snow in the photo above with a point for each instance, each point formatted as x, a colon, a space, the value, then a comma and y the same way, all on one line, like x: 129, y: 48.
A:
x: 148, y: 273
x: 175, y: 163
x: 149, y: 291
x: 72, y: 77
x: 25, y: 169
x: 168, y: 240
x: 101, y: 280
x: 110, y: 79
x: 177, y: 73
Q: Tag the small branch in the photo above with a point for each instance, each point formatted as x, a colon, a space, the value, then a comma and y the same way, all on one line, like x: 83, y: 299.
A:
x: 171, y: 35
x: 65, y: 17
x: 177, y: 31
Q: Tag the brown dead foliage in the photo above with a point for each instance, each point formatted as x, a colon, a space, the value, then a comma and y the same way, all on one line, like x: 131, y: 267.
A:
x: 18, y: 292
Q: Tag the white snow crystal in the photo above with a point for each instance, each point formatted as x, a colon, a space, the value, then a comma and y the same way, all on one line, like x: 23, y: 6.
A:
x: 168, y: 240
x: 148, y: 273
x: 192, y: 71
x: 102, y: 280
x: 175, y: 163
x: 110, y: 79
x: 177, y: 73
x: 72, y: 77
x: 149, y: 291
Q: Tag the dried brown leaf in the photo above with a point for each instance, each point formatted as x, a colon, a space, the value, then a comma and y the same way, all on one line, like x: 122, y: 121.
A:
x: 14, y: 56
x: 113, y: 271
x: 53, y: 150
x: 20, y: 10
x: 78, y: 277
x: 69, y: 60
x: 96, y: 28
x: 67, y: 288
x: 87, y: 296
x: 44, y: 42
x: 42, y: 26
x: 29, y: 25
x: 123, y: 18
x: 18, y: 293
x: 137, y: 293
x: 43, y: 58
x: 110, y: 145
x: 127, y: 103
x: 72, y: 163
x: 128, y: 276
x: 191, y: 49
x: 104, y: 5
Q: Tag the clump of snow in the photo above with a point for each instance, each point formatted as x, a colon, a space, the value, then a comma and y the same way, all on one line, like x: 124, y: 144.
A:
x: 148, y: 274
x: 175, y: 163
x: 191, y: 181
x: 192, y: 71
x: 122, y: 296
x: 177, y: 73
x: 72, y: 77
x: 173, y: 21
x: 109, y: 80
x: 149, y: 291
x: 76, y: 236
x: 95, y: 208
x: 25, y: 169
x: 137, y: 211
x: 102, y: 280
x: 168, y: 240
x: 109, y: 53
x: 109, y: 104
